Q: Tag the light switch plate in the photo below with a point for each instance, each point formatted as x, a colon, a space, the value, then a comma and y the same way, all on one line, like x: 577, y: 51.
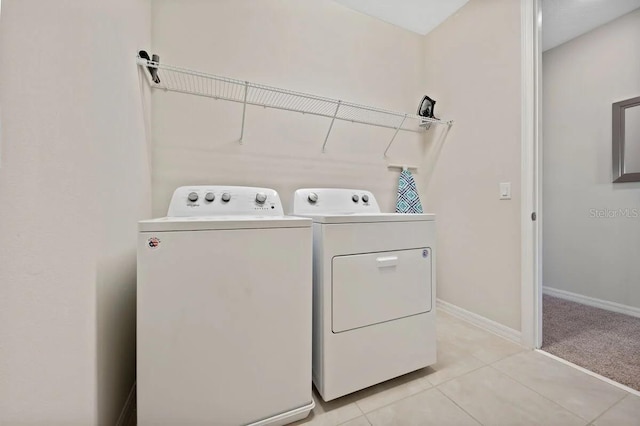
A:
x: 505, y: 190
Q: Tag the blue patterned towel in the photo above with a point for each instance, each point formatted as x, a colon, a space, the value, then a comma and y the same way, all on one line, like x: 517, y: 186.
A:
x: 408, y: 198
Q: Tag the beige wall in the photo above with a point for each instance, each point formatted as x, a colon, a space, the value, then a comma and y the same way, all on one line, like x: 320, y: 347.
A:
x: 74, y: 173
x: 470, y: 64
x: 74, y: 179
x: 316, y: 46
x: 584, y: 254
x: 472, y: 68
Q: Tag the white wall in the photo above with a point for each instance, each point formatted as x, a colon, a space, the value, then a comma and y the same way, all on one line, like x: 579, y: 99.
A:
x: 595, y: 257
x: 74, y: 180
x: 472, y: 69
x: 315, y: 46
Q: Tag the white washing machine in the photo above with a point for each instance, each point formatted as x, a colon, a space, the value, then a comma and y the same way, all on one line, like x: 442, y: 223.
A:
x: 224, y: 311
x: 373, y: 290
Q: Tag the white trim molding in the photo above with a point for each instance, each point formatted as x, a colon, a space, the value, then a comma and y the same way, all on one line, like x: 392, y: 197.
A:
x: 531, y: 172
x: 128, y: 409
x: 480, y: 321
x: 592, y: 301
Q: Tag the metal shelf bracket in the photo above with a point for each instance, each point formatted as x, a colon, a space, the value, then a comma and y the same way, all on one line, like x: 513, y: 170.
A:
x: 244, y: 110
x: 335, y: 114
x: 395, y: 134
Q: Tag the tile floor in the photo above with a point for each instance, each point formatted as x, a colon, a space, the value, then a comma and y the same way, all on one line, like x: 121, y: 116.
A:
x: 481, y: 378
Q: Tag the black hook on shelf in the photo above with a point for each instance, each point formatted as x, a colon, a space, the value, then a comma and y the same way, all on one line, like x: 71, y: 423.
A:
x: 152, y: 70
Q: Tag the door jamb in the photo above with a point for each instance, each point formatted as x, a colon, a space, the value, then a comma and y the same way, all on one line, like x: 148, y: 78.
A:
x: 531, y: 175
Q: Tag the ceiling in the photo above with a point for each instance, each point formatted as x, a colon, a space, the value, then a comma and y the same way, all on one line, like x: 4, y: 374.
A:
x: 420, y: 16
x: 562, y: 20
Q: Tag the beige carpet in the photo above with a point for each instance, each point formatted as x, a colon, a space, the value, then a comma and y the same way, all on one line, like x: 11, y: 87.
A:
x: 607, y: 343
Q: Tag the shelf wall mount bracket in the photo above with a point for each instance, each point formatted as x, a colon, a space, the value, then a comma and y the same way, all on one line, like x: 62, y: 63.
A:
x: 333, y: 119
x: 394, y: 135
x: 244, y: 111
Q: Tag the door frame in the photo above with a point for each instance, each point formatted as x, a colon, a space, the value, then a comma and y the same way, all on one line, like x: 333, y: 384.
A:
x: 531, y: 174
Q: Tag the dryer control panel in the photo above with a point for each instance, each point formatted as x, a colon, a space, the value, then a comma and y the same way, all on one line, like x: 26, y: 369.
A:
x: 214, y: 200
x: 334, y: 201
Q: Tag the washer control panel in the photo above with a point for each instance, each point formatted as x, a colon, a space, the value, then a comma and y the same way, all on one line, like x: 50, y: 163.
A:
x: 215, y: 200
x: 334, y: 201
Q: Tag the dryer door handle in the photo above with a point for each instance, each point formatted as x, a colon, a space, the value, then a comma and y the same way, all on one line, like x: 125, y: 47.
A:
x: 387, y: 261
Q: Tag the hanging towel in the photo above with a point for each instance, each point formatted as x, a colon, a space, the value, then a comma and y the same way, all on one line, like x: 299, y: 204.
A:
x: 408, y: 198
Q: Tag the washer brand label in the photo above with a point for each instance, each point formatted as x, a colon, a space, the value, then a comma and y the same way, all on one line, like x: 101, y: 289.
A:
x: 425, y: 253
x: 153, y: 242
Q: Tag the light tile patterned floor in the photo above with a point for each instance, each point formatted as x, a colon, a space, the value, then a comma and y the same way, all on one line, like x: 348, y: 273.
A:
x: 481, y: 378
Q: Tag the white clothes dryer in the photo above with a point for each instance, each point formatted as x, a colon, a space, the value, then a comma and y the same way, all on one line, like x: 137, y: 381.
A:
x: 224, y: 311
x: 373, y: 290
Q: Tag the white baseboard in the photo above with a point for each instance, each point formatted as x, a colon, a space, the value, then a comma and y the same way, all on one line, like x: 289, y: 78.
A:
x: 480, y: 321
x: 128, y: 408
x: 591, y: 301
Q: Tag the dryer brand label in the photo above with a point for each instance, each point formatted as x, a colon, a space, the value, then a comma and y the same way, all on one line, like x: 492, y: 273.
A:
x: 153, y: 242
x: 425, y: 253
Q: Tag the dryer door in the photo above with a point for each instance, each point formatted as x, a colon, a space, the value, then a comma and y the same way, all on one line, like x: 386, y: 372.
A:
x: 377, y: 287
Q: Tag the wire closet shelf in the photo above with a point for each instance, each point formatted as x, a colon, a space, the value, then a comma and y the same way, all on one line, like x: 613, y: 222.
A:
x: 181, y: 80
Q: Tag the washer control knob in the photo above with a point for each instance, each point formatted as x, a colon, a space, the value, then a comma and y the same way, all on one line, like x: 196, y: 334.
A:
x: 355, y: 198
x: 210, y: 196
x: 193, y: 197
x: 313, y: 198
x: 365, y: 198
x: 226, y: 197
x: 261, y: 197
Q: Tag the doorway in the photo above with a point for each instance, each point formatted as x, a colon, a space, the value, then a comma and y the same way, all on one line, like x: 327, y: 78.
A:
x: 584, y: 294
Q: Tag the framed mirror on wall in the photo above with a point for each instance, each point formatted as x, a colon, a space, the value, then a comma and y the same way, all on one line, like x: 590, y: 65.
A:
x: 626, y: 140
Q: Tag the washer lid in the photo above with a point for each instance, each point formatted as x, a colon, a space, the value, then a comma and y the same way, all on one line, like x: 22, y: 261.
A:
x: 370, y: 217
x: 166, y: 224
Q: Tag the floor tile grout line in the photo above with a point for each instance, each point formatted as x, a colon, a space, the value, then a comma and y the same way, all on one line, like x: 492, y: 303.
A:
x: 459, y: 406
x: 398, y: 400
x: 349, y: 419
x: 368, y: 419
x: 355, y: 418
x: 461, y: 375
x: 610, y: 408
x: 547, y: 398
x: 470, y: 354
x: 509, y: 356
x: 359, y: 408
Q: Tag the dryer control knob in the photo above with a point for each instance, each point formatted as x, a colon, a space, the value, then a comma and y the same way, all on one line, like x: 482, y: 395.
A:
x: 226, y: 197
x: 209, y: 196
x: 193, y: 197
x: 365, y: 198
x: 261, y: 197
x: 355, y: 198
x: 313, y: 198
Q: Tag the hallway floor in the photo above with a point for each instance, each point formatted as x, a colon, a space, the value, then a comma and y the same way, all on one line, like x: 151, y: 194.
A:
x: 605, y: 342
